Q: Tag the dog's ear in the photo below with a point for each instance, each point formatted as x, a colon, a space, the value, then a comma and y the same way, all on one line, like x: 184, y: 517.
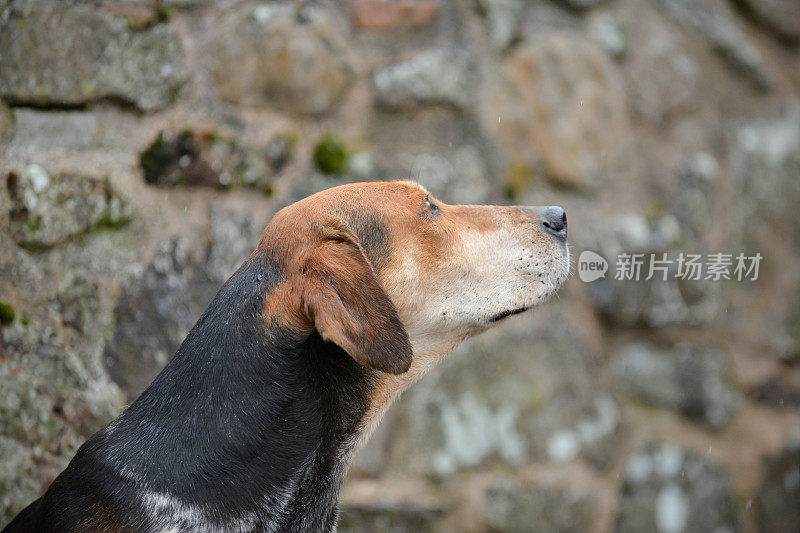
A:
x: 348, y: 306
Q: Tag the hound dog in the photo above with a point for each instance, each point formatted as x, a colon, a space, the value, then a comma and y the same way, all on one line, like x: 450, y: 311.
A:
x: 351, y: 295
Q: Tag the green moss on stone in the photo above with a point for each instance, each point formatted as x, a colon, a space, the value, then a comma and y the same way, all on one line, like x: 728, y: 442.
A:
x: 155, y: 158
x: 6, y: 122
x: 331, y: 155
x: 212, y: 136
x: 289, y: 137
x: 163, y: 152
x: 112, y: 221
x: 519, y: 179
x: 138, y: 23
x: 139, y: 20
x: 7, y: 313
x: 164, y: 13
x: 654, y: 209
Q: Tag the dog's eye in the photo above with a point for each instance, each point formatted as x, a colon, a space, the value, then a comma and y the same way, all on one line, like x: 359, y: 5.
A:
x: 430, y: 207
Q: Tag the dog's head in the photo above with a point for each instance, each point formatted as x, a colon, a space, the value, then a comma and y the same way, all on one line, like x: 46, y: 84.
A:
x: 398, y: 278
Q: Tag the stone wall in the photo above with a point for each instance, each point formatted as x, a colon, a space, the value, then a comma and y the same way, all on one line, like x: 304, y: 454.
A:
x: 144, y: 145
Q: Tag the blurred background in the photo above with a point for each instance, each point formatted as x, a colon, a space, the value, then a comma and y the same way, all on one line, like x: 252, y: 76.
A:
x: 144, y: 146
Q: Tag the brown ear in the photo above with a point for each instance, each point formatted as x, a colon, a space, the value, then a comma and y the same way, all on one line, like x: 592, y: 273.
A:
x: 347, y: 305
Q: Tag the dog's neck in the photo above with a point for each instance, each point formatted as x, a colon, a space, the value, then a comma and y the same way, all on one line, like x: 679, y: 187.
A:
x: 247, y: 427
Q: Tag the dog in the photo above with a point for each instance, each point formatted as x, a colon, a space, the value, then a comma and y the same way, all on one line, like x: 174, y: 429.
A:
x: 352, y: 294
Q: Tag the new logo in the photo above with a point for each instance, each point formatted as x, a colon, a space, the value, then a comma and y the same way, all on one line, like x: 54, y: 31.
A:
x: 591, y: 266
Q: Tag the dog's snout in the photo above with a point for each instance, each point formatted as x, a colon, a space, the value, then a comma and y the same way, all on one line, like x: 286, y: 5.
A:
x: 554, y: 219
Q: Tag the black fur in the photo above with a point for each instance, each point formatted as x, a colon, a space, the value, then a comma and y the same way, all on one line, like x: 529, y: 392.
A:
x: 373, y: 235
x: 239, y: 412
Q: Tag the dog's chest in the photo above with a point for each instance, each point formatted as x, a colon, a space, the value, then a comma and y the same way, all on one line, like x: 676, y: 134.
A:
x: 308, y: 502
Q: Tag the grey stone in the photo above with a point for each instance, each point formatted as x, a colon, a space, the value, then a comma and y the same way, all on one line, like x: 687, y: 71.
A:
x: 791, y: 351
x: 372, y: 458
x: 79, y: 303
x: 571, y: 110
x: 700, y: 167
x: 663, y: 76
x: 687, y: 377
x: 509, y: 396
x: 47, y: 210
x: 606, y: 30
x: 317, y: 181
x: 279, y: 151
x: 238, y: 165
x: 441, y: 138
x: 43, y: 130
x: 184, y: 4
x: 440, y: 76
x: 361, y: 166
x: 394, y: 17
x: 157, y: 307
x: 161, y: 301
x: 20, y: 479
x: 782, y: 16
x: 394, y: 518
x: 776, y: 504
x: 715, y: 20
x: 766, y: 163
x: 580, y: 4
x: 503, y: 19
x: 693, y: 199
x: 670, y: 490
x: 589, y: 433
x: 461, y: 178
x: 656, y: 302
x: 632, y: 232
x: 208, y: 159
x: 6, y: 123
x: 510, y: 506
x: 281, y: 54
x: 664, y: 299
x: 596, y: 430
x: 782, y: 388
x: 53, y: 398
x: 232, y: 237
x: 58, y: 54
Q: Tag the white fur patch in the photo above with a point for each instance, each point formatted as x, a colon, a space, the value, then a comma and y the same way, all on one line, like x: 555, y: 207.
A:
x: 172, y: 515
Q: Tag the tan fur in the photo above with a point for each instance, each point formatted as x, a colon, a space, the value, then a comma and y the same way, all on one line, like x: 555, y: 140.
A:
x: 447, y: 271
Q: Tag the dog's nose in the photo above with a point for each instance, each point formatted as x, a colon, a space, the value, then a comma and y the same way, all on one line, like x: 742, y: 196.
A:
x: 555, y: 220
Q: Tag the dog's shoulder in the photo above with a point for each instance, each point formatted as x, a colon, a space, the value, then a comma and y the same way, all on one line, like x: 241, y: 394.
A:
x: 86, y: 496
